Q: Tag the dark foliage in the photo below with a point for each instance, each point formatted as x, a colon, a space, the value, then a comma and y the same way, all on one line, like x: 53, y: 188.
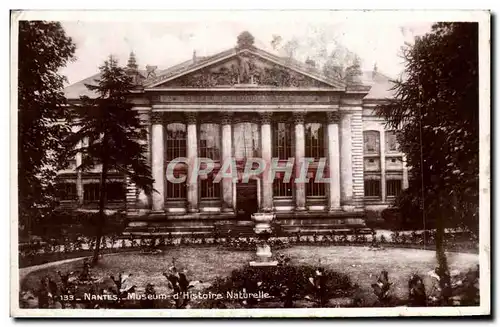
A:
x: 436, y: 109
x: 111, y: 133
x: 284, y: 283
x: 416, y: 292
x: 44, y: 48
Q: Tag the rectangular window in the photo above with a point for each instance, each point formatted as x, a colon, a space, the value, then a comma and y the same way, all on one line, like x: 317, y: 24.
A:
x: 91, y: 192
x: 371, y: 142
x: 175, y: 141
x: 372, y: 187
x: 210, y: 142
x: 280, y: 188
x: 209, y: 189
x: 175, y: 190
x: 283, y: 140
x: 66, y: 191
x: 391, y: 142
x: 393, y: 187
x: 315, y: 140
x: 315, y: 189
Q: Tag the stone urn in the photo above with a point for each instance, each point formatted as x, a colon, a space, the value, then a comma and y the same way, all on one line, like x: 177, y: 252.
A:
x: 263, y: 230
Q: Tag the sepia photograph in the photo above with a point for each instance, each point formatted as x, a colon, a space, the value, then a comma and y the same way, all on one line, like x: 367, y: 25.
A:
x: 250, y: 163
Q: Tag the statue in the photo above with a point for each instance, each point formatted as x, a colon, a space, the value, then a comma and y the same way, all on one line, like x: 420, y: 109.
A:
x: 151, y: 71
x: 245, y: 69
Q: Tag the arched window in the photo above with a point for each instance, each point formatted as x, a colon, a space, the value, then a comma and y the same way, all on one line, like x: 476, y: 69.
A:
x: 371, y: 142
x: 391, y: 142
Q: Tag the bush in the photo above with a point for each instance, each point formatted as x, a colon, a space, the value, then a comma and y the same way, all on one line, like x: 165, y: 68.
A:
x: 283, y: 283
x: 397, y: 218
x: 64, y: 223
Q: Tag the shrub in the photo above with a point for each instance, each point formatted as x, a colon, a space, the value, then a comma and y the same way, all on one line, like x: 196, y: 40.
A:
x: 285, y: 283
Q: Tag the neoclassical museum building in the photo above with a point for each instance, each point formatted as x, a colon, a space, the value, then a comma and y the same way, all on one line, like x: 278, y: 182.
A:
x: 247, y: 103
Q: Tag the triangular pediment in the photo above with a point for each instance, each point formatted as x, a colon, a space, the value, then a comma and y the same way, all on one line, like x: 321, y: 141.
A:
x: 248, y: 67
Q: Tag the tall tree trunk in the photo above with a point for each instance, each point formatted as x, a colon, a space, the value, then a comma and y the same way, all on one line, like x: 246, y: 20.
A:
x: 443, y: 273
x: 102, y: 215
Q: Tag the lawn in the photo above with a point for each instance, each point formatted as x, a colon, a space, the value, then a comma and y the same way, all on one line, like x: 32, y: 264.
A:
x: 207, y: 263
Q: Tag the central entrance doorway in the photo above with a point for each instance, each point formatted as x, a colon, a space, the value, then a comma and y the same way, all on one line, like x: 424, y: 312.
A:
x: 247, y: 199
x: 246, y: 144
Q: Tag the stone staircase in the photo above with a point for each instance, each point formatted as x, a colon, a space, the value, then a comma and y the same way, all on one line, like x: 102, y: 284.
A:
x: 197, y: 225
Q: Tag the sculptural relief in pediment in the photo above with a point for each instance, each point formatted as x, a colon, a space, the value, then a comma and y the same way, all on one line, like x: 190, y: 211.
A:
x: 245, y: 69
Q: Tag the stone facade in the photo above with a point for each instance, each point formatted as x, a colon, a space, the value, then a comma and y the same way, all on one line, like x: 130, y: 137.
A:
x: 243, y: 103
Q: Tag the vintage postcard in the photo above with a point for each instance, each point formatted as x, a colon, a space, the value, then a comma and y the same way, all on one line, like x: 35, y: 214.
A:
x: 250, y: 163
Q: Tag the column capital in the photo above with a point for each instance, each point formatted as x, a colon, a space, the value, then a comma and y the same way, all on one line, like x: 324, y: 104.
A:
x: 299, y: 117
x: 191, y: 117
x: 226, y: 118
x: 333, y: 117
x: 265, y: 117
x: 156, y: 117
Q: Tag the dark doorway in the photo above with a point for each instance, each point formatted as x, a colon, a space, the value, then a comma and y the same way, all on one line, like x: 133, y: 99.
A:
x: 246, y: 199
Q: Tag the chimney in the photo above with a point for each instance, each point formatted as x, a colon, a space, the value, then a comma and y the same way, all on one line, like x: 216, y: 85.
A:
x: 375, y: 71
x: 194, y: 57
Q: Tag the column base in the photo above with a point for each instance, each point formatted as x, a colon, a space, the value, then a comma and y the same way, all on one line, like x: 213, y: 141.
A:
x: 348, y: 207
x: 335, y: 209
x: 227, y: 210
x: 193, y: 210
x: 300, y: 208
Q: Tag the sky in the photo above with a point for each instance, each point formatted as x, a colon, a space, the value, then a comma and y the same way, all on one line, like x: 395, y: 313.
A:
x: 169, y: 41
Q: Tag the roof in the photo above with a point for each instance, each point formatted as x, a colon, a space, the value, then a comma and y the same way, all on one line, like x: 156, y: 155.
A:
x: 380, y: 84
x: 74, y: 91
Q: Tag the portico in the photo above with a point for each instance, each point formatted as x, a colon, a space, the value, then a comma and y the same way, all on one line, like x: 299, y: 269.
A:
x: 229, y: 119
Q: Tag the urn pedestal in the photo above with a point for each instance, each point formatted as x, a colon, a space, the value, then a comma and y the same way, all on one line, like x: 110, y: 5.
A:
x: 263, y: 230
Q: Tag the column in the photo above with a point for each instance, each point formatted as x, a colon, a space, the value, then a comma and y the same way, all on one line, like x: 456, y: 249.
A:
x: 300, y: 152
x: 192, y: 153
x: 382, y: 166
x: 79, y: 183
x: 346, y: 161
x: 333, y: 161
x: 157, y: 159
x: 267, y: 185
x: 227, y: 183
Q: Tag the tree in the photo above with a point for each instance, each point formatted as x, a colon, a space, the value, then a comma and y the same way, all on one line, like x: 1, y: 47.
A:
x: 111, y: 134
x: 338, y: 62
x: 44, y: 48
x: 436, y: 108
